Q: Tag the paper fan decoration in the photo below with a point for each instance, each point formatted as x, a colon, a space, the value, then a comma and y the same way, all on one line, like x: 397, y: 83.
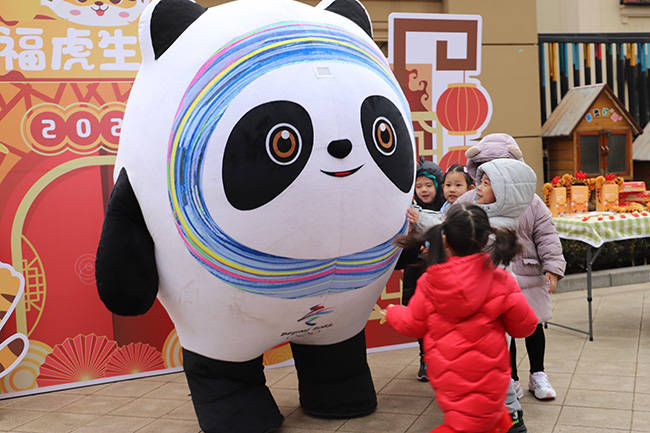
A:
x: 172, y: 350
x: 84, y: 357
x: 278, y: 354
x: 134, y: 358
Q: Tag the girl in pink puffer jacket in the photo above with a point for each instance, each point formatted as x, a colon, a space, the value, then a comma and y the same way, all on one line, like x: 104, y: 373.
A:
x: 537, y: 269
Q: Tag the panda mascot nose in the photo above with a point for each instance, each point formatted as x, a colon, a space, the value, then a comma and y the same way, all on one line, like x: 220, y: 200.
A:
x: 339, y: 148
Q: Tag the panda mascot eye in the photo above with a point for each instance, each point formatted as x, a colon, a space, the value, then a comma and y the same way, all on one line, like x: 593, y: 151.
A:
x: 384, y: 136
x: 283, y: 144
x: 388, y: 140
x: 266, y: 150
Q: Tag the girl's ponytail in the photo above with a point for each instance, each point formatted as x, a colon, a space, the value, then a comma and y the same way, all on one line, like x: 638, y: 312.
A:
x: 468, y: 231
x: 504, y: 247
x: 410, y: 241
x: 431, y: 240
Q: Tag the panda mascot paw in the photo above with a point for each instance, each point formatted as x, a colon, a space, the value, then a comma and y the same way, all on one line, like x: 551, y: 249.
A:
x: 265, y: 166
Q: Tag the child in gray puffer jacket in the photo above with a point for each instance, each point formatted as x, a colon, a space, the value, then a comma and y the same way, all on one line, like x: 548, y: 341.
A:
x: 539, y: 266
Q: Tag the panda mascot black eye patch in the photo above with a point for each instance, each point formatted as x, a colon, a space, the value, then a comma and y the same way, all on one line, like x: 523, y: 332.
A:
x: 388, y: 140
x: 265, y: 152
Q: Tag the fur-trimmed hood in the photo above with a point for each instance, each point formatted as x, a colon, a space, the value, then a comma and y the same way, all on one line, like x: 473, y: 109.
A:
x: 513, y: 183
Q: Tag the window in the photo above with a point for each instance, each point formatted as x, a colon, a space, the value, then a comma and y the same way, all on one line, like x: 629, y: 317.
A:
x: 617, y: 155
x: 590, y: 154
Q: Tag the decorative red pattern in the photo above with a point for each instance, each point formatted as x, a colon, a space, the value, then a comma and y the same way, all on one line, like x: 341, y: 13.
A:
x: 134, y: 358
x: 84, y: 357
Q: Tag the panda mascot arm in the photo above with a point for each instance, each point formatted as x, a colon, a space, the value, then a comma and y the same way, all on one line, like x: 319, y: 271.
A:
x: 125, y: 268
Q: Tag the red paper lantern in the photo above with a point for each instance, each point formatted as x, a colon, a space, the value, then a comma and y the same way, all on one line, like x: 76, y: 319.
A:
x: 462, y: 109
x: 455, y: 155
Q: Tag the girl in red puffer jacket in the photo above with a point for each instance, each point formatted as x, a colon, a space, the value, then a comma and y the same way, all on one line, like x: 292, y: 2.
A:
x: 462, y: 309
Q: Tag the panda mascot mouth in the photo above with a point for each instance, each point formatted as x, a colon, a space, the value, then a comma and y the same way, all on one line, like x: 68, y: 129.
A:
x: 342, y: 173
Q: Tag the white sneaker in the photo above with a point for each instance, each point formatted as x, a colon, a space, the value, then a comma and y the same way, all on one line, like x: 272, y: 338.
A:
x: 539, y: 385
x: 518, y: 389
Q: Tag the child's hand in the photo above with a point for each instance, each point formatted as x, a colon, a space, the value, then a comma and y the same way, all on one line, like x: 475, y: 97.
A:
x: 412, y: 216
x: 551, y: 281
x: 382, y: 313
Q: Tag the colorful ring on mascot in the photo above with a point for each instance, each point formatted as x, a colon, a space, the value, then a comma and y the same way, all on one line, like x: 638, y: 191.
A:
x: 214, y: 86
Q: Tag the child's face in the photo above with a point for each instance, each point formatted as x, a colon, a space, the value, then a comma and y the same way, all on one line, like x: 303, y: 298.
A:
x: 425, y: 189
x: 484, y: 193
x: 455, y: 186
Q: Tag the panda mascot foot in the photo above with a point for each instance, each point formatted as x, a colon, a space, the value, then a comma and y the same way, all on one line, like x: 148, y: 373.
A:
x: 334, y: 380
x: 230, y: 397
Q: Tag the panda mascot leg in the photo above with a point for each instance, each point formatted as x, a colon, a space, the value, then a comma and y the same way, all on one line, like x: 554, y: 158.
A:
x: 334, y: 380
x: 230, y: 396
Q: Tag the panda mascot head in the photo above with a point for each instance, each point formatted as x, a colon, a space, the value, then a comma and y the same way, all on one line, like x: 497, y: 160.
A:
x: 265, y: 166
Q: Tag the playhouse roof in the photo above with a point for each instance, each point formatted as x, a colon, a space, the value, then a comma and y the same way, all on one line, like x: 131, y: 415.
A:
x: 641, y: 145
x: 575, y: 104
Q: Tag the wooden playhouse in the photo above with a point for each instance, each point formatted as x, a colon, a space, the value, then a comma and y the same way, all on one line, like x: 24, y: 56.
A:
x: 590, y: 131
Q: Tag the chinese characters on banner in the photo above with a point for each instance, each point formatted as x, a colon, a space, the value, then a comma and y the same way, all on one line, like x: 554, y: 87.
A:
x: 24, y: 50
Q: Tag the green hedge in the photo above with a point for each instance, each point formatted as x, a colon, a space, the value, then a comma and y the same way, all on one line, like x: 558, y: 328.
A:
x: 619, y: 254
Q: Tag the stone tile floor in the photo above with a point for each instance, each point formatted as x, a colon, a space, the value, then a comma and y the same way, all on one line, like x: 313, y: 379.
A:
x: 602, y: 385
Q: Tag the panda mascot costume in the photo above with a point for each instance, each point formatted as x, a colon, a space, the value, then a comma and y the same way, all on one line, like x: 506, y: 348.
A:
x: 265, y: 166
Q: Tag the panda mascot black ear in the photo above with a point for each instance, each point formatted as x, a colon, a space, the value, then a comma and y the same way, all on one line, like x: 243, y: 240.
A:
x: 169, y: 19
x: 352, y: 10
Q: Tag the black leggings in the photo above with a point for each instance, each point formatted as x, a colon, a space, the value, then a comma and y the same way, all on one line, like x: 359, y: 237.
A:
x: 535, y: 346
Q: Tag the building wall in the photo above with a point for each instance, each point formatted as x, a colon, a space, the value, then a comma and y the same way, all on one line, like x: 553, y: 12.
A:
x: 509, y: 60
x: 591, y: 16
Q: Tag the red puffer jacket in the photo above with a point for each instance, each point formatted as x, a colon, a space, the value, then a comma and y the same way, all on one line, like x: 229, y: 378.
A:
x: 463, y: 308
